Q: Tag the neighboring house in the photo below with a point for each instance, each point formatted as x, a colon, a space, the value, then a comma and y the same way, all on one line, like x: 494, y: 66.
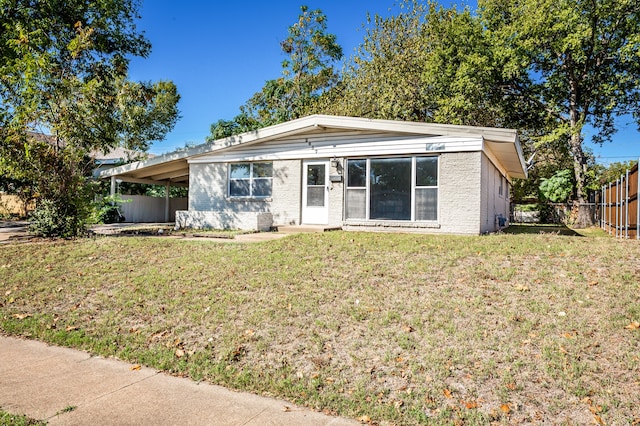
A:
x: 347, y: 172
x: 119, y: 155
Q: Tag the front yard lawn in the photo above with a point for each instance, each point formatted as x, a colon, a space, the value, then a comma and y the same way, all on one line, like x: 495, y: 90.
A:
x: 385, y: 328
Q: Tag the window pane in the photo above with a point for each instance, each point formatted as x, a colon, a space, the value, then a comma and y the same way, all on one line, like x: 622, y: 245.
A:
x: 262, y: 170
x: 261, y: 187
x: 427, y: 171
x: 390, y: 186
x: 315, y: 174
x: 356, y: 203
x: 315, y: 196
x: 239, y: 188
x: 357, y: 173
x: 426, y: 204
x: 240, y: 171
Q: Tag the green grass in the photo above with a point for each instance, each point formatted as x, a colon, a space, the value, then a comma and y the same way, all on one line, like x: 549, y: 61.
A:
x: 7, y: 419
x: 404, y: 329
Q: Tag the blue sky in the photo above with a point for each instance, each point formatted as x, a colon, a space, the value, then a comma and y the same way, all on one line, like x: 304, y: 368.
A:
x: 219, y: 53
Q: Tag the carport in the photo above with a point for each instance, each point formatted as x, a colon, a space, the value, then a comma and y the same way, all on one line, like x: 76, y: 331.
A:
x: 167, y: 170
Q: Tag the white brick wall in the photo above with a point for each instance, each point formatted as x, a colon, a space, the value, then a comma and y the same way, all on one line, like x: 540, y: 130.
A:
x: 224, y: 220
x: 207, y: 186
x: 493, y: 204
x: 210, y: 207
x: 287, y: 192
x: 459, y: 193
x: 466, y: 205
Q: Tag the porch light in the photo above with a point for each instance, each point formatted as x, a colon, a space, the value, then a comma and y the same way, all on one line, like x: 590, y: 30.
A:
x: 336, y: 164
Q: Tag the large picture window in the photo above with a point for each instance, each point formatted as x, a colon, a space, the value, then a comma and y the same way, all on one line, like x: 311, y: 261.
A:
x: 253, y: 180
x: 403, y: 188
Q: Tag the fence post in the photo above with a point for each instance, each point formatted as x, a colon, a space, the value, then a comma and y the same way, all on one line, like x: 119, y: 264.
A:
x: 602, y: 217
x: 609, y: 208
x: 626, y: 207
x: 619, y: 207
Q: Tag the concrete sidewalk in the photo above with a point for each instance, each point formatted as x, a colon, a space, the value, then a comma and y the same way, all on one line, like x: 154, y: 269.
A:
x: 68, y: 387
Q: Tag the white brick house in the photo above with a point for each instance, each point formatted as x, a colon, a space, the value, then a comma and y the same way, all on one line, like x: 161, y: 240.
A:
x: 347, y: 172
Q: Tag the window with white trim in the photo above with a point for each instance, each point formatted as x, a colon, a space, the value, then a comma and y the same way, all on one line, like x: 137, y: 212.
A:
x: 396, y: 188
x: 250, y: 180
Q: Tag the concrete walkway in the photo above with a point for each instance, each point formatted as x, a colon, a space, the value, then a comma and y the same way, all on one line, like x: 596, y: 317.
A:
x: 68, y: 387
x: 14, y: 231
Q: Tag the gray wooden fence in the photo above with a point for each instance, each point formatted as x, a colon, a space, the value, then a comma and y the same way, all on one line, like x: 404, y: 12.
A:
x: 150, y: 209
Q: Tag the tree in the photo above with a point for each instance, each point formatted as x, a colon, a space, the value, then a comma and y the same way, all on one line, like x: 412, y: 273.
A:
x: 558, y: 187
x: 432, y: 64
x: 583, y: 61
x: 307, y: 73
x: 65, y: 93
x: 614, y: 171
x: 384, y: 78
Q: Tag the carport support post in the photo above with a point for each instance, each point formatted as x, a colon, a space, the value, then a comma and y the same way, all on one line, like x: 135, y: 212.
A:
x: 113, y: 186
x: 167, y: 199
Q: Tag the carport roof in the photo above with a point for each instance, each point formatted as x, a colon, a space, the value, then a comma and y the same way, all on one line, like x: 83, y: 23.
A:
x: 174, y: 168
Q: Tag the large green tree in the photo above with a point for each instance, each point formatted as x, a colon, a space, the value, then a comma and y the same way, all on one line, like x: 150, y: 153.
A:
x: 65, y: 93
x: 583, y: 61
x: 307, y: 72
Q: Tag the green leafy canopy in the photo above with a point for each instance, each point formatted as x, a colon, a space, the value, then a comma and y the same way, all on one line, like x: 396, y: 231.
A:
x: 65, y: 93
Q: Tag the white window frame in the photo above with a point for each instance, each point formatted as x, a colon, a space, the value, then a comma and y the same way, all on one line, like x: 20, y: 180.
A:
x: 414, y: 187
x: 250, y: 179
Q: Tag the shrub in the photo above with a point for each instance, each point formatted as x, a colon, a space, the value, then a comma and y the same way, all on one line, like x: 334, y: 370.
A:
x: 107, y: 210
x: 56, y: 218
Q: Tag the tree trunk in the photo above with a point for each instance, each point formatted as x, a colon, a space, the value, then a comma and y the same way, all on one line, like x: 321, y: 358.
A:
x: 583, y: 218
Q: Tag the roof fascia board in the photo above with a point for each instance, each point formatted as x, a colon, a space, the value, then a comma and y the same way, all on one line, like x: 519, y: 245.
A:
x: 323, y: 121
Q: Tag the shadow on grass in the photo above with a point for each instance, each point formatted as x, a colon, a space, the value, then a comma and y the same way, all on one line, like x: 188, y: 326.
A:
x: 541, y: 229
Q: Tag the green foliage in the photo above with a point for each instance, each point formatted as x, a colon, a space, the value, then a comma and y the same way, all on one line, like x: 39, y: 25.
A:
x: 613, y: 172
x: 107, y: 209
x: 582, y: 62
x: 559, y: 187
x: 7, y: 419
x: 307, y: 73
x: 161, y: 191
x: 52, y: 218
x: 63, y: 68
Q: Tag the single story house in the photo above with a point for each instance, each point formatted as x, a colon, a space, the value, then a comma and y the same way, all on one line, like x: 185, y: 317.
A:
x: 348, y: 172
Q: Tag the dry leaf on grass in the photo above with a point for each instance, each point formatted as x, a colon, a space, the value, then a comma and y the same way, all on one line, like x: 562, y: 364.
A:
x: 364, y: 419
x: 471, y: 405
x: 505, y: 408
x: 21, y: 316
x: 447, y: 393
x: 179, y: 353
x: 633, y: 325
x: 135, y: 367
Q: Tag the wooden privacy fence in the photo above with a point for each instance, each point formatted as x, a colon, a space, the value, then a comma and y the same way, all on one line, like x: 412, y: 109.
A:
x: 618, y: 206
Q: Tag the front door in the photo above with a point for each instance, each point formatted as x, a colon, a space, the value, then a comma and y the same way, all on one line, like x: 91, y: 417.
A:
x: 315, y: 193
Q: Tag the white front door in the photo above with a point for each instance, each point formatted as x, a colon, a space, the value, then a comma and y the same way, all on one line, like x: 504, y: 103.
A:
x: 315, y: 192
